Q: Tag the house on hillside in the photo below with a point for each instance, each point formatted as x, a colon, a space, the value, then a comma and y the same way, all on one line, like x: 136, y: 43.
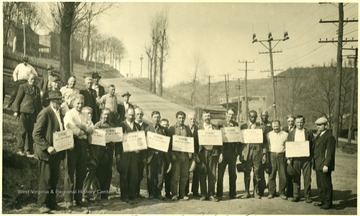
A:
x: 257, y: 103
x: 15, y: 39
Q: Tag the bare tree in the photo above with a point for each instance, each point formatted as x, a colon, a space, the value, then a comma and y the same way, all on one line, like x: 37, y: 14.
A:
x: 198, y: 71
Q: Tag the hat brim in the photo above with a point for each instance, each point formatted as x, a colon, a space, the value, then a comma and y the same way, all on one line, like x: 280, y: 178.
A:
x: 125, y: 95
x: 55, y: 98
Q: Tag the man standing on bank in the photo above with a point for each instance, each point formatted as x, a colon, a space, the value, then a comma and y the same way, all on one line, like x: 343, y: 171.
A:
x: 27, y: 105
x: 209, y: 158
x: 227, y: 157
x: 324, y: 157
x: 301, y: 163
x: 48, y: 122
x: 124, y: 106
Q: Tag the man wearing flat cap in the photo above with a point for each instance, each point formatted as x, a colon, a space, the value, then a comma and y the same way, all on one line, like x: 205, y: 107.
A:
x: 90, y: 96
x: 48, y: 121
x: 20, y: 76
x: 324, y: 163
x: 45, y: 83
x: 124, y: 105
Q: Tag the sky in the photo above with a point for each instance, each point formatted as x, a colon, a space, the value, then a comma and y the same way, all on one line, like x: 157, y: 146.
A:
x: 221, y: 35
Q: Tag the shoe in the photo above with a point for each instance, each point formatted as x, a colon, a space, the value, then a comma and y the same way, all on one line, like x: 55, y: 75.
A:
x: 203, y: 198
x: 325, y: 207
x: 139, y: 196
x: 185, y: 198
x: 295, y: 199
x: 80, y: 204
x: 160, y: 197
x: 318, y: 203
x: 168, y: 196
x: 68, y: 205
x: 174, y: 198
x: 86, y: 200
x: 124, y: 199
x: 44, y: 210
x: 283, y: 196
x: 246, y: 196
x: 151, y: 197
x: 257, y: 196
x: 55, y: 207
x: 132, y: 201
x: 270, y: 196
x: 233, y: 197
x: 21, y: 153
x: 212, y: 198
x: 308, y: 200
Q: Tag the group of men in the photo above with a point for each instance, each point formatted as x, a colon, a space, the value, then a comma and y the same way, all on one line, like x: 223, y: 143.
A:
x: 88, y: 168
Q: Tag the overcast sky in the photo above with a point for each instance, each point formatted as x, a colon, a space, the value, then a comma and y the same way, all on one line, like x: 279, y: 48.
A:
x: 221, y: 34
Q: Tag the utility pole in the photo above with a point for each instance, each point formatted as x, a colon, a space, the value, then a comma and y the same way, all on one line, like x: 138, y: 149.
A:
x: 271, y: 51
x: 353, y: 92
x: 24, y: 32
x: 246, y: 91
x: 209, y: 90
x: 226, y: 93
x: 336, y: 127
x: 141, y: 59
x: 239, y: 102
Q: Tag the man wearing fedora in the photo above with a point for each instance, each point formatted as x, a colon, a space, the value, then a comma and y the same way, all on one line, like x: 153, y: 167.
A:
x: 124, y: 106
x: 100, y: 90
x: 45, y: 83
x: 27, y: 105
x: 324, y: 162
x: 20, y: 76
x: 48, y: 121
x: 55, y: 84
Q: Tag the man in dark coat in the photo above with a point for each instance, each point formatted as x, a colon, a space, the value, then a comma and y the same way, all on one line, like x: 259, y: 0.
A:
x: 27, y: 105
x: 324, y: 158
x: 290, y: 119
x: 124, y: 105
x: 48, y: 121
x: 301, y: 164
x: 90, y: 99
x: 45, y: 83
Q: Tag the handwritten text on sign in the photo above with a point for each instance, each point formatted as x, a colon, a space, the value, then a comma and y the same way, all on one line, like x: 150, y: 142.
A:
x: 63, y: 140
x: 114, y: 134
x: 134, y: 141
x: 230, y: 134
x: 183, y: 144
x: 98, y: 137
x: 158, y: 142
x: 297, y: 149
x: 252, y: 136
x: 210, y: 137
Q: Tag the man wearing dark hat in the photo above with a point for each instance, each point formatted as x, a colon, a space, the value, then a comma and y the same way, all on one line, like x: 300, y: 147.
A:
x: 209, y: 157
x: 301, y: 164
x: 48, y: 122
x: 20, y: 76
x: 324, y: 158
x: 55, y: 84
x: 124, y: 105
x: 100, y: 90
x: 27, y: 105
x: 90, y: 96
x: 45, y: 83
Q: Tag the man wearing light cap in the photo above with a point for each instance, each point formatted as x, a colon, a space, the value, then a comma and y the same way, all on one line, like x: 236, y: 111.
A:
x: 90, y: 98
x: 324, y: 163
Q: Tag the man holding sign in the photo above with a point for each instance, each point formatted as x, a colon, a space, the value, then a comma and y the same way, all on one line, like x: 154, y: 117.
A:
x: 180, y: 159
x: 209, y: 157
x: 49, y: 121
x: 253, y: 155
x: 299, y: 164
x: 155, y: 159
x: 228, y: 154
x: 127, y: 162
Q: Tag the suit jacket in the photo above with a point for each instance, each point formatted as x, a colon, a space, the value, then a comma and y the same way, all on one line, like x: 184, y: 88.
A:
x: 286, y: 129
x: 121, y: 110
x: 149, y: 153
x: 126, y: 129
x: 90, y: 100
x: 308, y: 137
x: 216, y: 149
x: 175, y: 130
x: 44, y: 83
x: 101, y: 91
x: 246, y: 146
x: 194, y: 132
x: 46, y: 124
x: 324, y: 152
x: 28, y: 99
x: 229, y: 147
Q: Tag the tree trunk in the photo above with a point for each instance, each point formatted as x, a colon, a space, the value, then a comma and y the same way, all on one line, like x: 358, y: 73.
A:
x: 155, y: 65
x: 65, y: 34
x: 88, y: 44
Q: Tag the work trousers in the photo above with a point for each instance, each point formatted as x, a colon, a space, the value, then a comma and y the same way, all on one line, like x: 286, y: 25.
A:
x: 155, y: 174
x: 324, y: 184
x: 194, y: 178
x: 26, y: 127
x: 49, y: 173
x: 289, y: 184
x: 303, y: 164
x: 229, y: 159
x: 180, y: 174
x: 253, y: 162
x: 128, y: 170
x: 141, y: 167
x: 277, y: 161
x: 15, y: 90
x: 75, y: 170
x: 168, y: 180
x: 209, y: 174
x: 104, y: 171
